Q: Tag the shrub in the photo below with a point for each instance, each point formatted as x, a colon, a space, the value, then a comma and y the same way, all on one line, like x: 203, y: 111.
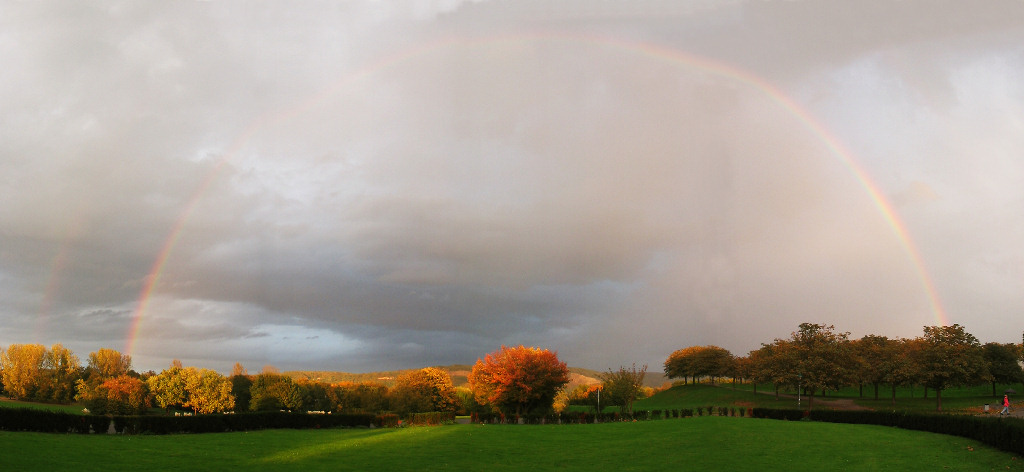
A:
x: 777, y: 414
x: 387, y: 420
x: 432, y: 418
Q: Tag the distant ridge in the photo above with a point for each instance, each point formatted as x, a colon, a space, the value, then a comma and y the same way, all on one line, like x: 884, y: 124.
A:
x: 459, y: 373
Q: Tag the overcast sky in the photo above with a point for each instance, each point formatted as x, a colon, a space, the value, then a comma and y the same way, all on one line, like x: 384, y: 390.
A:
x: 361, y: 186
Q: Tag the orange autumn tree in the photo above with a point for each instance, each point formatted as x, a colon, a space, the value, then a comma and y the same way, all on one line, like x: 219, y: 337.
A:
x: 121, y: 395
x: 518, y: 380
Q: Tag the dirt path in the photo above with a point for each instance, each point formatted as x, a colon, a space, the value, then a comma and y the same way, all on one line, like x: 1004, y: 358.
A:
x: 835, y: 404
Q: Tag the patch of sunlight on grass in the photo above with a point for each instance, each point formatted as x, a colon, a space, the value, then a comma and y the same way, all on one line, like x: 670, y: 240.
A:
x: 397, y: 438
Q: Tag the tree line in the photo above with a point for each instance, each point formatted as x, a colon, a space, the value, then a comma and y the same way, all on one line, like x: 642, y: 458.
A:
x: 817, y: 358
x: 512, y: 381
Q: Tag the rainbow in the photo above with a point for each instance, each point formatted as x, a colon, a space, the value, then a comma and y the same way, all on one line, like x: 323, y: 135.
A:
x: 655, y: 52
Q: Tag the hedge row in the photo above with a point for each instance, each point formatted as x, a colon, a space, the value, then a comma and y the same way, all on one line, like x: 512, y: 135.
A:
x: 27, y: 419
x: 42, y: 421
x: 580, y: 417
x: 1002, y: 433
x: 431, y: 419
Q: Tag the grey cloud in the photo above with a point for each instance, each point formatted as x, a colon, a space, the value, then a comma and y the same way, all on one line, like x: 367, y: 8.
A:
x: 367, y: 185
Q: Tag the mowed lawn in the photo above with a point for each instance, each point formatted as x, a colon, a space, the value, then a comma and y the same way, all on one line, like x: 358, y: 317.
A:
x: 703, y: 443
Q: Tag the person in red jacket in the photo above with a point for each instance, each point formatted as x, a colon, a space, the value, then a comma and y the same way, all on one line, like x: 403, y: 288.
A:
x: 1006, y: 405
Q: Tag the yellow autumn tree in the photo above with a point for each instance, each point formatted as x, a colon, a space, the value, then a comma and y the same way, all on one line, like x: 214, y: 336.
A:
x: 424, y: 390
x: 22, y: 366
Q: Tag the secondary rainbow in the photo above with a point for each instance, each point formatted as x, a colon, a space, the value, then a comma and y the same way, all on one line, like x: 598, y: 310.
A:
x: 652, y: 51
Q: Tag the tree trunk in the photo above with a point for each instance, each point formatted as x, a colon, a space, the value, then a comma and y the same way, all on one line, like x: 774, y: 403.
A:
x: 893, y: 394
x: 938, y: 398
x: 876, y: 390
x: 860, y: 387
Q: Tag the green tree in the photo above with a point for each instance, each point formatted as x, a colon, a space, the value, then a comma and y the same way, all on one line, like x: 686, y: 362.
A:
x: 467, y: 402
x: 366, y: 397
x: 1001, y: 361
x: 823, y: 358
x: 899, y: 367
x: 271, y: 392
x: 774, y: 363
x: 315, y: 395
x: 241, y: 390
x: 700, y: 361
x: 871, y: 354
x: 518, y: 380
x: 623, y: 387
x: 949, y: 356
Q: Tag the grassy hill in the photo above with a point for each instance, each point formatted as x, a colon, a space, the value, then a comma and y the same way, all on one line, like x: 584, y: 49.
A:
x: 704, y: 443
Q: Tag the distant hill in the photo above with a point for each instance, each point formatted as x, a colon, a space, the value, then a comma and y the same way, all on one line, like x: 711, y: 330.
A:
x: 459, y: 373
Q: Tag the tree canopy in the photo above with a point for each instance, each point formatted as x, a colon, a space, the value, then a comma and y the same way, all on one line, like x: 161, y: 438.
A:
x: 949, y: 357
x: 518, y: 380
x: 700, y: 361
x: 623, y: 386
x: 428, y: 389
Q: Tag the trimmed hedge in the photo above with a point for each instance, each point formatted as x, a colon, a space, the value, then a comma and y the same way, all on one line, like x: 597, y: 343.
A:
x: 27, y: 419
x: 1002, y: 433
x: 43, y: 421
x: 1006, y: 434
x: 432, y: 418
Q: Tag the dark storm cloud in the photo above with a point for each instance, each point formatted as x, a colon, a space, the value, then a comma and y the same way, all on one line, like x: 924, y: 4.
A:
x: 363, y: 185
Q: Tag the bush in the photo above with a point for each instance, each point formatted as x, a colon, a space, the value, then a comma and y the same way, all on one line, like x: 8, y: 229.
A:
x: 386, y: 420
x: 777, y: 414
x: 432, y: 418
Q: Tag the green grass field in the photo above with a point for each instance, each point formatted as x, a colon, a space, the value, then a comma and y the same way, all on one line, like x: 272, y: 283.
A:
x: 711, y: 443
x: 74, y: 408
